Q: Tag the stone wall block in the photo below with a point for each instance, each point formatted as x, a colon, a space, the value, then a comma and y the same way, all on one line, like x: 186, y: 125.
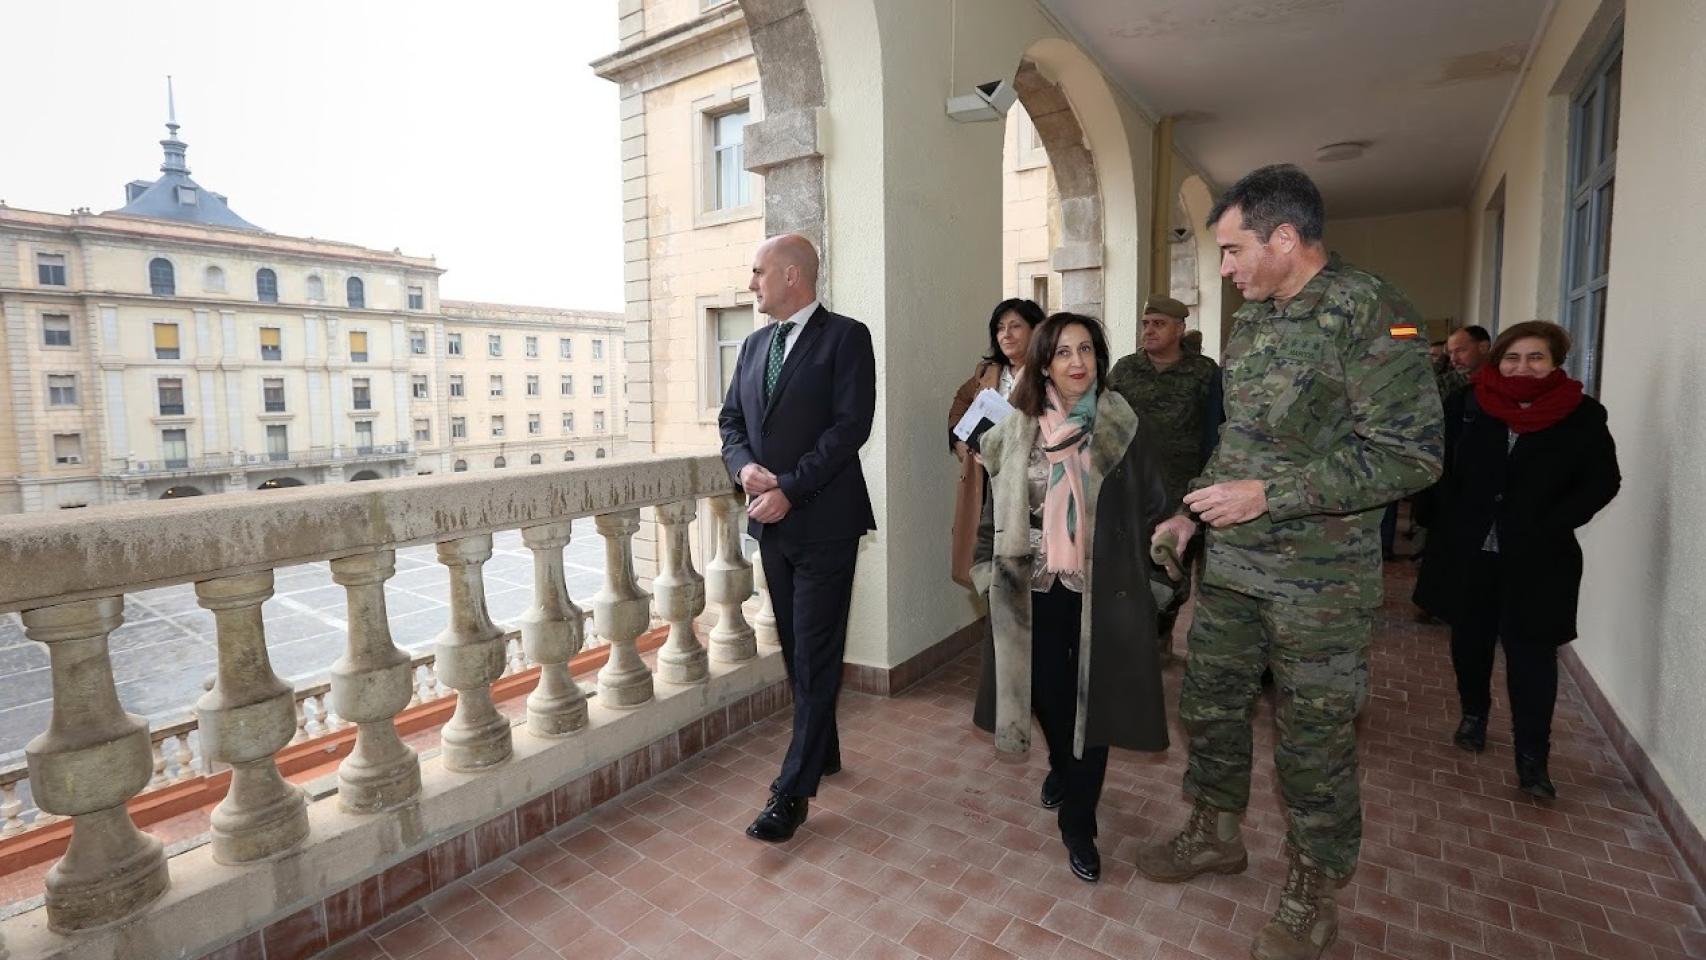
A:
x: 470, y: 655
x: 680, y: 596
x: 248, y: 716
x: 1076, y: 256
x: 91, y: 760
x: 620, y: 613
x: 728, y: 584
x: 779, y: 138
x: 793, y: 200
x: 552, y: 632
x: 788, y: 60
x: 371, y: 683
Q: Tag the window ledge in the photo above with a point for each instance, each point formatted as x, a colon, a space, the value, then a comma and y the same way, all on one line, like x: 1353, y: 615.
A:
x: 716, y: 218
x: 274, y: 417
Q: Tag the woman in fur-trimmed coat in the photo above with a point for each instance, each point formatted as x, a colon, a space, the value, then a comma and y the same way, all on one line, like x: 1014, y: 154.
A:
x: 1063, y: 558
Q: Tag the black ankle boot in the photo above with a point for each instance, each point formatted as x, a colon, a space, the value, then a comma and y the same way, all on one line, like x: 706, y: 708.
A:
x: 1471, y: 733
x: 1531, y: 777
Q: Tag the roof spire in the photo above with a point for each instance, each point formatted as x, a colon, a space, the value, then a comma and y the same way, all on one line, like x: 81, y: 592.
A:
x: 173, y: 146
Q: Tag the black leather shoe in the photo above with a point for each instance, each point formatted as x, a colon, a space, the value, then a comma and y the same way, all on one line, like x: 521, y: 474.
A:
x: 1054, y: 792
x: 1085, y: 861
x: 781, y: 817
x: 1532, y: 779
x: 1471, y: 733
x: 829, y: 770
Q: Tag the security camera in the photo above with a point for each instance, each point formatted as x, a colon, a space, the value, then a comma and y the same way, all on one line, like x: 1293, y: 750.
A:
x: 987, y: 101
x: 1180, y: 233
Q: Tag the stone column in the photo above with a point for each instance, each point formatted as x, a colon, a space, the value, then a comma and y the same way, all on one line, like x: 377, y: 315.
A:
x: 680, y: 593
x: 620, y: 613
x: 93, y: 758
x: 246, y: 718
x: 728, y: 583
x: 764, y: 620
x: 552, y: 632
x: 371, y: 682
x: 470, y: 656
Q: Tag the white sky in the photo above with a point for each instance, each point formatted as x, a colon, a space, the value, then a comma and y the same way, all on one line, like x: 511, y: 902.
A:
x: 472, y: 131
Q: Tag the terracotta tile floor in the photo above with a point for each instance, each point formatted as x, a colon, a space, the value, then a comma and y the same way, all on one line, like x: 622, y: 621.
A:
x: 928, y: 846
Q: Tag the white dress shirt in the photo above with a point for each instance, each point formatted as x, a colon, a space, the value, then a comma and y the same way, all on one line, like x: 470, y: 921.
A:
x: 799, y: 320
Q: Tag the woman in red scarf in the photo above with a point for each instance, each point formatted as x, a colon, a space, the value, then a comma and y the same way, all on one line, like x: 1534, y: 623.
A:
x: 1528, y: 460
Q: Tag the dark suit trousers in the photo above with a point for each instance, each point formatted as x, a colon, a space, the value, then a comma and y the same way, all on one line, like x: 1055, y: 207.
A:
x: 1488, y: 618
x: 811, y: 587
x: 1054, y: 699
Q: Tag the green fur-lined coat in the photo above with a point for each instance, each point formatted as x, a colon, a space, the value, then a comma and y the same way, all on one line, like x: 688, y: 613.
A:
x: 1120, y: 702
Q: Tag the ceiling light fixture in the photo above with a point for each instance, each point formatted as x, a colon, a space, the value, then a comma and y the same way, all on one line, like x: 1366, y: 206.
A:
x: 1345, y: 150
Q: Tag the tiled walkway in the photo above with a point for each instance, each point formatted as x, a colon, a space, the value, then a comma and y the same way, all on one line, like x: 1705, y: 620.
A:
x: 928, y: 846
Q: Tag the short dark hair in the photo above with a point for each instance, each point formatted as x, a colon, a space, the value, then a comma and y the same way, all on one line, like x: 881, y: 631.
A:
x: 1272, y: 195
x: 1027, y: 310
x: 1557, y: 341
x: 1478, y: 333
x: 1030, y: 393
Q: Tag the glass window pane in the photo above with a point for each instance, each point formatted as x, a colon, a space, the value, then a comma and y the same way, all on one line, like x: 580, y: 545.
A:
x: 1613, y: 109
x: 734, y: 325
x: 731, y: 127
x: 1602, y: 229
x: 1581, y: 157
x: 1580, y: 236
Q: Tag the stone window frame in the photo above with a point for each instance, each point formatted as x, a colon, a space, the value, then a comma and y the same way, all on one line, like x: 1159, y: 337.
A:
x: 458, y: 429
x: 159, y: 408
x: 420, y: 386
x: 1025, y: 277
x: 705, y: 309
x: 458, y: 387
x: 703, y: 114
x: 76, y: 390
x: 1027, y: 147
x: 70, y: 460
x: 64, y: 266
x: 70, y: 331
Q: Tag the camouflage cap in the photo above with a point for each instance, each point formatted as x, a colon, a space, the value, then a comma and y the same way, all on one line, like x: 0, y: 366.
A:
x: 1167, y: 306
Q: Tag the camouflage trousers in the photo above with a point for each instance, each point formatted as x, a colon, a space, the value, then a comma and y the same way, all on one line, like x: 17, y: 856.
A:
x: 1319, y: 656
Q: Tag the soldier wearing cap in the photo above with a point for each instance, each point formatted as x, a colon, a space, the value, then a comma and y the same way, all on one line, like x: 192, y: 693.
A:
x: 1171, y: 389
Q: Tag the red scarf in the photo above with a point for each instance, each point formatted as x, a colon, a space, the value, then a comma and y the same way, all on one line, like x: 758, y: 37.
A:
x: 1549, y: 399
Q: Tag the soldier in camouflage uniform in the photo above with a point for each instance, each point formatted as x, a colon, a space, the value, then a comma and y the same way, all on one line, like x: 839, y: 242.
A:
x: 1170, y: 389
x: 1328, y: 417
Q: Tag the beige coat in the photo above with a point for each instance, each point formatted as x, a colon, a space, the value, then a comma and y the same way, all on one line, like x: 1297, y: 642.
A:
x: 968, y: 495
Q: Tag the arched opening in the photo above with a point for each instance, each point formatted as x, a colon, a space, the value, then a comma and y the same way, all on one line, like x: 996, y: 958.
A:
x: 355, y: 293
x: 568, y: 456
x: 173, y: 493
x: 460, y: 466
x: 500, y: 463
x: 365, y: 475
x: 535, y: 460
x: 279, y: 483
x: 266, y: 285
x: 1215, y: 298
x: 162, y: 279
x: 1058, y: 200
x: 316, y: 288
x: 213, y: 279
x: 598, y: 454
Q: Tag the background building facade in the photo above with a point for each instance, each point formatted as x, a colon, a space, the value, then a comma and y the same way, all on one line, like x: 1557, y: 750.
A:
x: 171, y: 348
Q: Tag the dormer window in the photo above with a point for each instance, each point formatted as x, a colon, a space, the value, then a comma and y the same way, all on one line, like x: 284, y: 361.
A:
x: 186, y: 196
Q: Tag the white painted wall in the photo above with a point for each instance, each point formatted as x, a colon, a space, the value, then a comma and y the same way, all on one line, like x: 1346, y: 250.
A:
x: 1643, y: 596
x: 914, y: 234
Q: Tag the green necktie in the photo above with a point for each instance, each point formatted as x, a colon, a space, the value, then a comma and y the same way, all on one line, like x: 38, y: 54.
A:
x: 778, y: 351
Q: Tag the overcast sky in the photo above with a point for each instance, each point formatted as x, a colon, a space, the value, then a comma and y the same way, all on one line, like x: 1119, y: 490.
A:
x: 472, y: 131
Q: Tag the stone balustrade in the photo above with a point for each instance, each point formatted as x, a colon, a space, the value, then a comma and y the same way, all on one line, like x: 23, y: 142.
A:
x: 272, y: 850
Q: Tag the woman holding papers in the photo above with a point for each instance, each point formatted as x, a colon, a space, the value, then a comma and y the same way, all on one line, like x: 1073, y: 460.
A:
x: 1074, y: 487
x: 1009, y: 339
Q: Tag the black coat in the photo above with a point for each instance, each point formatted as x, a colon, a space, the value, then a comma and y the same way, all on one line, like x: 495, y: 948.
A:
x: 1551, y: 482
x: 1119, y: 699
x: 810, y: 431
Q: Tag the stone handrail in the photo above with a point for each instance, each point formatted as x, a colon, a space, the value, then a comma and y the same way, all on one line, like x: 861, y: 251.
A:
x: 67, y: 575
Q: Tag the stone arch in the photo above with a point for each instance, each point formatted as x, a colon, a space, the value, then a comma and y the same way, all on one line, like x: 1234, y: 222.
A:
x: 783, y: 147
x: 182, y: 490
x: 279, y: 483
x: 365, y: 475
x: 1078, y: 259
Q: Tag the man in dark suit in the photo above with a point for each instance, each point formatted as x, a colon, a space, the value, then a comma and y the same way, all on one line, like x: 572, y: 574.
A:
x: 796, y: 414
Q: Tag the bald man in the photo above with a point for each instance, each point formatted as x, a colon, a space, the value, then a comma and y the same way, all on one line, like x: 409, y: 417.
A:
x: 797, y: 412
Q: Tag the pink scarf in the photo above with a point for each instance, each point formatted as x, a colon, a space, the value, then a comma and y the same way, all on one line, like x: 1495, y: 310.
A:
x: 1066, y: 446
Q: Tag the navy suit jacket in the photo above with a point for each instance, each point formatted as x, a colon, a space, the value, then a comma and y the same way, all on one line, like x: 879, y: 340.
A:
x: 810, y: 432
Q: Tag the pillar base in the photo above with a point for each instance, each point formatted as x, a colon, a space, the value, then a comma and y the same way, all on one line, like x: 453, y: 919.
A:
x: 477, y: 735
x: 684, y: 668
x: 626, y: 689
x: 371, y: 787
x: 131, y: 875
x: 244, y: 834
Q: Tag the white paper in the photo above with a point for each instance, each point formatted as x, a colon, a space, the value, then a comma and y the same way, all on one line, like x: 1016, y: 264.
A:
x: 987, y: 405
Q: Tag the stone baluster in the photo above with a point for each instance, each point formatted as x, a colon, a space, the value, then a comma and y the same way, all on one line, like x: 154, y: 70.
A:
x: 299, y: 710
x: 728, y: 584
x: 248, y: 716
x: 620, y: 613
x: 552, y: 630
x: 470, y: 655
x: 764, y: 620
x: 371, y: 682
x: 11, y: 810
x: 88, y: 764
x: 160, y: 779
x: 314, y: 716
x: 185, y: 757
x: 680, y: 597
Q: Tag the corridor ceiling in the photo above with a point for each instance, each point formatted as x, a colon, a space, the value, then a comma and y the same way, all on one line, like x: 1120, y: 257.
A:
x: 1261, y: 81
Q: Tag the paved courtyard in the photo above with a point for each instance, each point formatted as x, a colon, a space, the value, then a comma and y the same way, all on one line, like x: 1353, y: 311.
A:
x: 166, y: 648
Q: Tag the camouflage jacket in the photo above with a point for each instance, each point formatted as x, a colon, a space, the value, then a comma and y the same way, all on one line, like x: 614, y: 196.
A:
x: 1174, y: 404
x: 1449, y: 382
x: 1337, y: 418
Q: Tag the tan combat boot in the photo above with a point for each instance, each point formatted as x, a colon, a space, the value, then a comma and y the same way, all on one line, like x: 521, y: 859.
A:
x: 1307, y: 921
x: 1210, y: 843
